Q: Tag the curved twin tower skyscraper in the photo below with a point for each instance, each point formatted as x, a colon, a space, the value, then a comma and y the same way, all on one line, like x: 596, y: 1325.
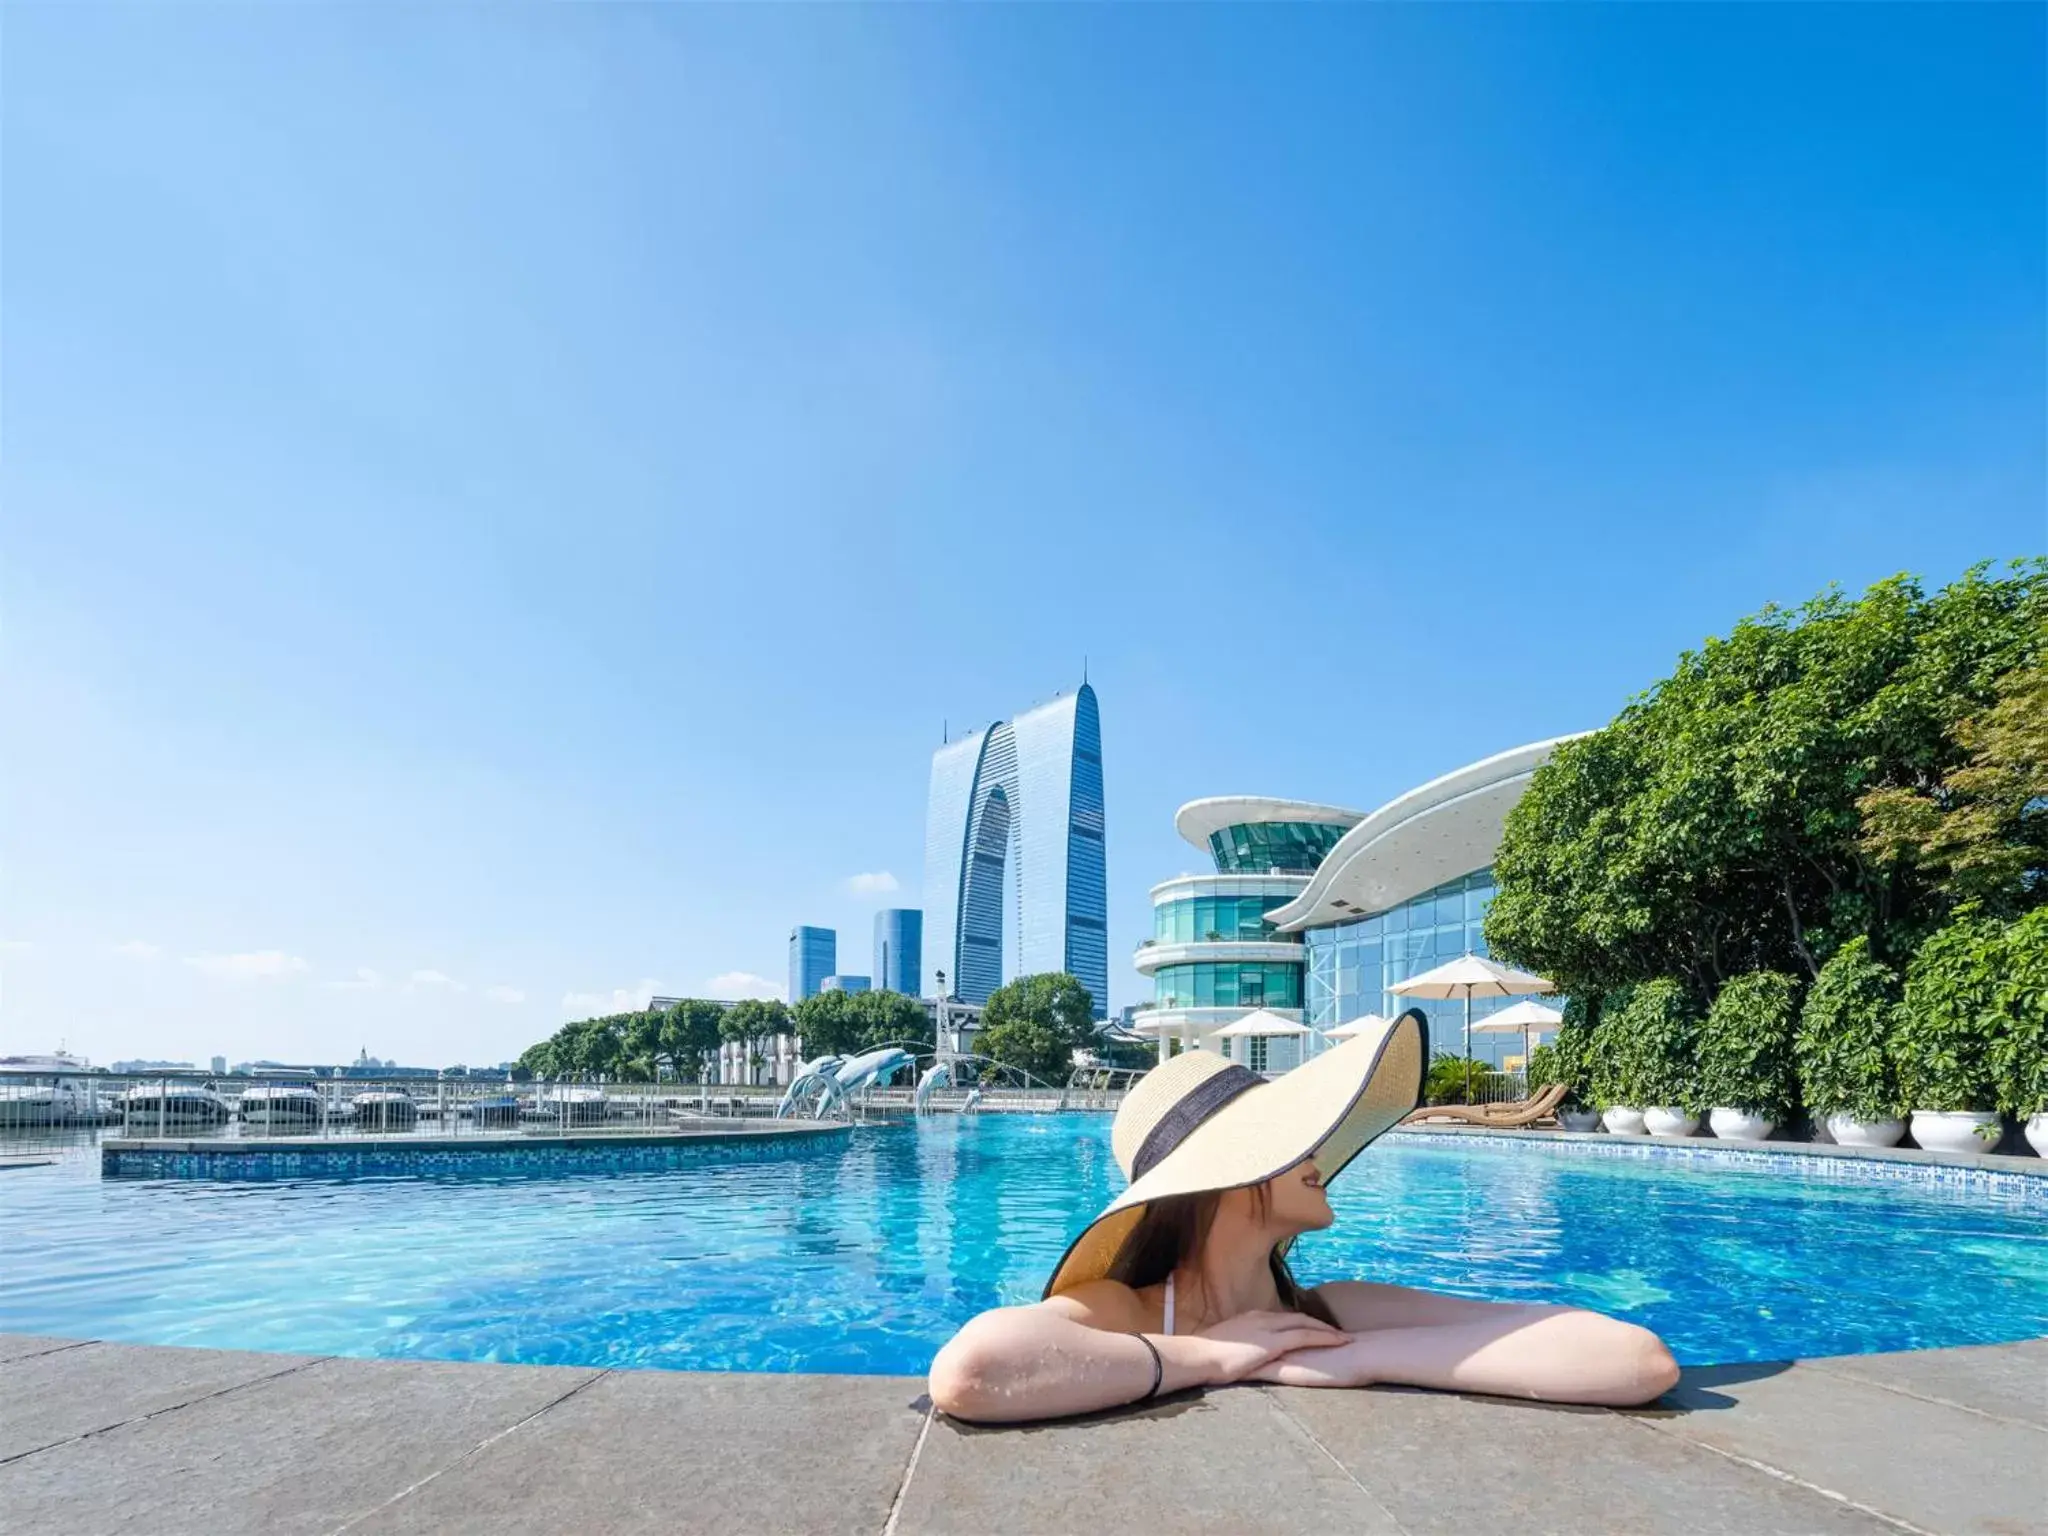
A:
x: 1028, y: 790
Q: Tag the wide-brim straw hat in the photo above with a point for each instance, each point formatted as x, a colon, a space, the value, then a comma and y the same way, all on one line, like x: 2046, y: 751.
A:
x: 1199, y: 1123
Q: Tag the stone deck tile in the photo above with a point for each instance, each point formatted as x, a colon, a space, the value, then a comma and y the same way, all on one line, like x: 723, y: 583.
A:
x: 64, y: 1393
x: 1223, y: 1461
x: 306, y: 1451
x: 2006, y: 1380
x: 1459, y: 1465
x: 19, y: 1346
x: 1926, y: 1463
x: 669, y: 1452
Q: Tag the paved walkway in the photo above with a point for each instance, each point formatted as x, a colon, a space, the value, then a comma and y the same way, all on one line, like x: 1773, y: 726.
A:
x: 108, y: 1437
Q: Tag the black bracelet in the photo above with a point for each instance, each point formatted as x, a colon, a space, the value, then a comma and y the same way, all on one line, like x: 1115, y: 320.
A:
x: 1158, y: 1370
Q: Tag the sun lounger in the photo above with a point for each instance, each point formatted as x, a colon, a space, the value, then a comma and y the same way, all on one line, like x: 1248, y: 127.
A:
x: 1505, y: 1116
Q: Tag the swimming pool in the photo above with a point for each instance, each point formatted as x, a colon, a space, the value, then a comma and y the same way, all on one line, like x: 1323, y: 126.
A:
x: 865, y: 1254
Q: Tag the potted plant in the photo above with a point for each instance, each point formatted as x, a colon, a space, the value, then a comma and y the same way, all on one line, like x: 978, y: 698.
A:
x: 1663, y: 1029
x: 1567, y: 1059
x: 1746, y: 1069
x: 1843, y: 1049
x: 1613, y: 1072
x: 2020, y: 1052
x: 1947, y: 1031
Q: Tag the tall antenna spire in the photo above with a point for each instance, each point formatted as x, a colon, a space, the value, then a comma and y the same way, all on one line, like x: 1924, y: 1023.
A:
x: 945, y: 731
x: 1084, y: 669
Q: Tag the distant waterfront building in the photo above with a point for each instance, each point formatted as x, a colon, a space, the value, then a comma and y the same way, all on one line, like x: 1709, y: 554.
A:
x: 813, y: 955
x: 847, y: 984
x: 220, y: 1066
x: 899, y: 951
x: 152, y: 1066
x: 1029, y: 790
x: 1314, y: 912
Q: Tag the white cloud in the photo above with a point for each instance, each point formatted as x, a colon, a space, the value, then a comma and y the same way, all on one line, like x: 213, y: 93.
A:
x: 879, y: 883
x: 364, y: 980
x: 140, y: 949
x: 738, y: 984
x: 504, y: 994
x: 252, y: 965
x: 432, y: 979
x: 591, y: 1005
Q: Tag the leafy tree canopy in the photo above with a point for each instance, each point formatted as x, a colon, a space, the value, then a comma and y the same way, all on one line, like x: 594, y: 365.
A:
x: 1717, y: 826
x: 847, y: 1023
x: 1037, y: 1023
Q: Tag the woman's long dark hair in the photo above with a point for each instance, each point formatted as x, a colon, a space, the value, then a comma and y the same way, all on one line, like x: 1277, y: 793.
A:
x: 1171, y: 1233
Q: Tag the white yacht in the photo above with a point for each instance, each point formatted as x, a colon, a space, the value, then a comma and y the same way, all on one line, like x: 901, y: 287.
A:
x: 568, y: 1106
x: 280, y: 1106
x: 172, y: 1105
x: 385, y: 1109
x: 50, y: 1090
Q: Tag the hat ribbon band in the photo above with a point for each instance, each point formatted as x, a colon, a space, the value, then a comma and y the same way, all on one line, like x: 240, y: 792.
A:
x: 1189, y: 1111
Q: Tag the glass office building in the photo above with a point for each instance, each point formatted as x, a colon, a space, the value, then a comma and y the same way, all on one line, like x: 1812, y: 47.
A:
x: 1019, y: 806
x: 1351, y: 965
x: 899, y: 951
x: 846, y: 984
x: 1315, y: 912
x: 813, y: 955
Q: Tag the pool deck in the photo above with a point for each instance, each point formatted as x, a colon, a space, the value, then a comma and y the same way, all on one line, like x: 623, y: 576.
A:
x: 99, y: 1437
x: 2024, y: 1163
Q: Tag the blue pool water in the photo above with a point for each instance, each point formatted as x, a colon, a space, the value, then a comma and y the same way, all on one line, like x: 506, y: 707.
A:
x: 865, y: 1254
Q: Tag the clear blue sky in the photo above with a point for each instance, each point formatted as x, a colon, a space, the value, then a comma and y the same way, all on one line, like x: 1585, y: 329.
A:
x: 498, y: 502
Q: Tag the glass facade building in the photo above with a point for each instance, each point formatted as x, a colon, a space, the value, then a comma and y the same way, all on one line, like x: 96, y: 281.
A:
x: 1351, y: 965
x: 899, y: 951
x: 813, y: 955
x: 1273, y: 847
x: 846, y: 984
x: 1019, y: 804
x: 1226, y: 984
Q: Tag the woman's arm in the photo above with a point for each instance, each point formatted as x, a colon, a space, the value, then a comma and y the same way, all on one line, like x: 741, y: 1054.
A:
x: 1075, y: 1354
x: 1402, y: 1337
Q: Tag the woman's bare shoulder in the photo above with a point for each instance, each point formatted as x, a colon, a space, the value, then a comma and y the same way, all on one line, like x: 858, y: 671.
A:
x: 1107, y: 1304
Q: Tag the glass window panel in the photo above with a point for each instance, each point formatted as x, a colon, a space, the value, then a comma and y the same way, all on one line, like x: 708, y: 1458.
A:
x: 1450, y: 909
x: 1475, y: 938
x: 1395, y: 921
x: 1374, y: 927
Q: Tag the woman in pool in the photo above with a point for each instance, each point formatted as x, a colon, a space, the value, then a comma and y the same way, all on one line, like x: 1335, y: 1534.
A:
x: 1183, y: 1280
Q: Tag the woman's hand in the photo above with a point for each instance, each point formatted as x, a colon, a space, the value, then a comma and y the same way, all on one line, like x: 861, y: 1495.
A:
x: 1240, y: 1347
x: 1344, y: 1365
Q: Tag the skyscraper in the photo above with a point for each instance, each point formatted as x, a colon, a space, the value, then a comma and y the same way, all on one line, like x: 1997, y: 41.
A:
x: 1029, y: 789
x: 899, y: 951
x: 813, y: 955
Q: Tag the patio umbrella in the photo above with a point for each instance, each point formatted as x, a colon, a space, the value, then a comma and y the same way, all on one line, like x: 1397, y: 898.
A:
x: 1471, y: 976
x: 1524, y: 1016
x: 1261, y: 1021
x: 1356, y: 1027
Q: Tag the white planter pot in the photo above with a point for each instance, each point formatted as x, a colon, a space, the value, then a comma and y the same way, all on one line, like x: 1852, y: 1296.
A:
x: 1622, y: 1121
x: 1955, y: 1130
x: 2037, y: 1132
x: 1662, y: 1121
x: 1589, y: 1119
x: 1848, y: 1131
x: 1740, y: 1125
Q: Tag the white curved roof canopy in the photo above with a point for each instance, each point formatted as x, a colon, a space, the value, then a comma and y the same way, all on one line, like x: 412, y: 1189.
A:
x: 1437, y: 832
x: 1198, y: 818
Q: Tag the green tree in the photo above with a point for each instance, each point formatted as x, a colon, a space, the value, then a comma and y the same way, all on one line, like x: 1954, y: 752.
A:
x: 1657, y: 1031
x: 1036, y: 1023
x: 828, y: 1023
x: 2019, y: 1056
x: 1844, y: 1044
x: 689, y: 1033
x: 753, y: 1020
x: 1981, y: 833
x: 1717, y: 826
x: 1953, y: 1017
x: 1745, y: 1047
x: 891, y: 1018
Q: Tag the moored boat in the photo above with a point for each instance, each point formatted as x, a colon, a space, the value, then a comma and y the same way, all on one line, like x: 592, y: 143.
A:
x: 280, y: 1107
x: 385, y: 1109
x: 568, y: 1106
x: 172, y: 1106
